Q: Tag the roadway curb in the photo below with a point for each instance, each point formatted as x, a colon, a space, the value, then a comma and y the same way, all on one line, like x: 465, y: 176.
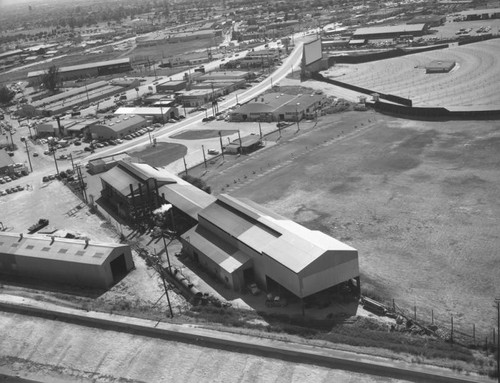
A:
x: 299, y: 353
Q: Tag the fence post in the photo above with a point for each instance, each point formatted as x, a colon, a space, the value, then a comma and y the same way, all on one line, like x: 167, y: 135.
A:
x: 451, y: 329
x: 393, y: 305
x: 474, y: 333
x: 432, y: 316
x: 415, y: 311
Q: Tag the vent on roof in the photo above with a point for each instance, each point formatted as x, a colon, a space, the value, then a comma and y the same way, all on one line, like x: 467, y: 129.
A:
x: 63, y: 251
x: 30, y: 247
x: 45, y: 248
x: 98, y: 255
x: 80, y: 252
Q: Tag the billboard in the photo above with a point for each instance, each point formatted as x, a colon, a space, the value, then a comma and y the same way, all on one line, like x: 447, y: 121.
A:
x: 312, y: 52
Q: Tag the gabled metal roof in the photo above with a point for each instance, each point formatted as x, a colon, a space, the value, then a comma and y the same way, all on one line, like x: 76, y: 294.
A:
x: 59, y: 249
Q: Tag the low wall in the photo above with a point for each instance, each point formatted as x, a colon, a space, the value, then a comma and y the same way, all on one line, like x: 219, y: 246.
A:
x: 434, y: 113
x: 388, y: 97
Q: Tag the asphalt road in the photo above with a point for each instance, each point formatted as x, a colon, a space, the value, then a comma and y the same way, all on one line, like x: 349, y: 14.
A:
x: 292, y: 62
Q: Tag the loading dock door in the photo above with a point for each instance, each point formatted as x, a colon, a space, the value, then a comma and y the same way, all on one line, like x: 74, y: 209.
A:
x: 118, y: 268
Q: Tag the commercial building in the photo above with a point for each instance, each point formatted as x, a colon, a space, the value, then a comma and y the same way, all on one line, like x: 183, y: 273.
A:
x: 235, y: 75
x: 263, y: 57
x: 171, y: 86
x: 429, y: 20
x: 149, y: 112
x: 88, y: 70
x: 60, y: 260
x: 198, y: 97
x: 390, y: 32
x: 277, y: 107
x: 116, y: 127
x: 481, y: 14
x: 244, y: 145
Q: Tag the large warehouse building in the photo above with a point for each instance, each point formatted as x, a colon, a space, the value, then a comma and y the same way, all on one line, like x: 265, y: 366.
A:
x: 390, y: 32
x: 237, y: 240
x: 61, y: 260
x: 241, y: 242
x: 88, y: 70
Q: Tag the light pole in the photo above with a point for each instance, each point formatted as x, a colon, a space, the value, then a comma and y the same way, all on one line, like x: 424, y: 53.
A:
x: 28, y: 152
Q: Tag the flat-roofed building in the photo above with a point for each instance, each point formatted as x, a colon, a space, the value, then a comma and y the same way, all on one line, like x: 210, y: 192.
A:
x: 263, y: 57
x: 116, y: 127
x: 95, y: 69
x: 171, y: 86
x: 60, y: 260
x: 390, y: 32
x: 149, y: 112
x: 199, y: 97
x: 277, y: 107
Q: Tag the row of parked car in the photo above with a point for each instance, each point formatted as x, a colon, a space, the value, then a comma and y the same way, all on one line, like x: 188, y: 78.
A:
x: 138, y: 133
x: 12, y: 177
x: 11, y: 190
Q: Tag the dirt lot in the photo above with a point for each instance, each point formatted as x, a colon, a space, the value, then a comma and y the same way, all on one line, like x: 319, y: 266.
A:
x: 419, y: 200
x: 67, y: 213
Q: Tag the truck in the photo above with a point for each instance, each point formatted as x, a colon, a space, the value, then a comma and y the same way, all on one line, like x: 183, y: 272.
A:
x: 42, y: 222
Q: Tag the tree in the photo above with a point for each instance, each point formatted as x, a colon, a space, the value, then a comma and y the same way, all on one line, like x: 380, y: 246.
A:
x: 51, y: 78
x: 198, y: 182
x: 6, y: 95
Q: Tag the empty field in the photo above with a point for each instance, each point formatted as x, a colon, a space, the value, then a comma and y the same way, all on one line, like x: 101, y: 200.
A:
x: 419, y: 200
x: 472, y: 83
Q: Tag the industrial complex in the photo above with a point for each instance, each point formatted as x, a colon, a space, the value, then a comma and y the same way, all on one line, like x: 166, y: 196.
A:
x: 237, y: 241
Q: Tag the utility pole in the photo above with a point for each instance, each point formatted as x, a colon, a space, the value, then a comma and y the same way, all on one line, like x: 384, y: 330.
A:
x: 55, y: 160
x: 204, y: 158
x: 221, y: 146
x: 166, y: 252
x: 239, y: 137
x: 497, y: 300
x: 260, y: 130
x: 28, y: 152
x: 159, y: 269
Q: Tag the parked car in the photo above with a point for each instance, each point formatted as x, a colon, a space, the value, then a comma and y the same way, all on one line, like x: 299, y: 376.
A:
x: 213, y: 151
x: 3, y: 192
x: 77, y: 143
x: 45, y: 179
x: 35, y: 154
